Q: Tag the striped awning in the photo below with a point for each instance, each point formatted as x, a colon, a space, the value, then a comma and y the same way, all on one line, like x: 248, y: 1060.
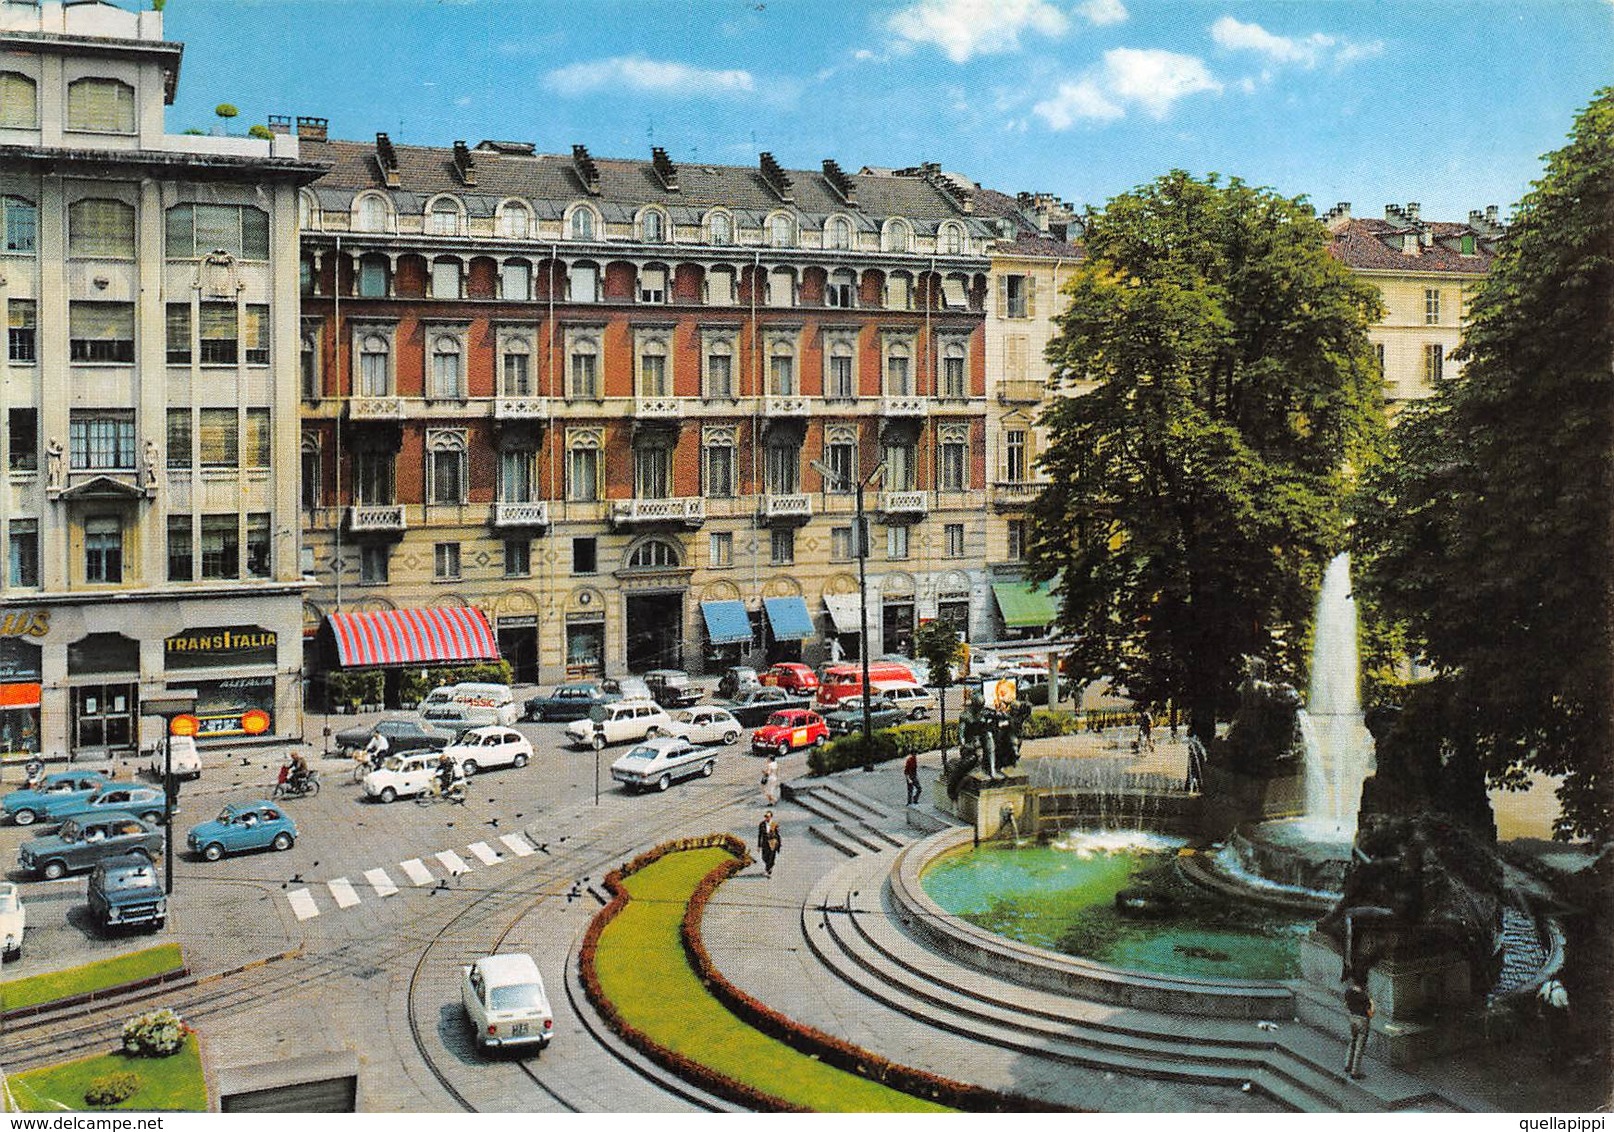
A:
x: 413, y: 636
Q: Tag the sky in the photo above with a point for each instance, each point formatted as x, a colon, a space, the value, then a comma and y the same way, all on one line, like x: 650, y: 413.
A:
x: 1450, y: 103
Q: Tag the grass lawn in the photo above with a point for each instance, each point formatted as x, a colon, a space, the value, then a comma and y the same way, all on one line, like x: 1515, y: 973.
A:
x: 643, y: 970
x: 17, y: 993
x: 168, y: 1084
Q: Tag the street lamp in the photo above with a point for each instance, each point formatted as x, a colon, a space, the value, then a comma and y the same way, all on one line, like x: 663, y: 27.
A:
x: 174, y: 707
x: 862, y: 539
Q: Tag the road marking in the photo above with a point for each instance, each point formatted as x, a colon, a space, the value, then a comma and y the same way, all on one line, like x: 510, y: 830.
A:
x: 302, y: 903
x: 453, y: 862
x: 416, y: 871
x: 381, y: 882
x: 518, y: 844
x: 486, y: 852
x: 342, y: 892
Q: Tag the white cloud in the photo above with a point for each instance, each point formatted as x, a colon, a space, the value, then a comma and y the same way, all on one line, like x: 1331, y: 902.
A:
x: 1101, y: 13
x: 1305, y: 51
x: 962, y: 28
x: 1149, y: 79
x: 635, y: 72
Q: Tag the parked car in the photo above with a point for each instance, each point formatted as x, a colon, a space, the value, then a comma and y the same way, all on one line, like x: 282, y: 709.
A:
x: 567, y: 702
x: 146, y: 802
x: 25, y: 807
x: 125, y: 892
x: 756, y: 705
x: 848, y: 716
x: 621, y: 722
x: 628, y: 688
x: 405, y: 776
x: 661, y: 762
x: 457, y: 718
x: 505, y: 1003
x: 790, y: 730
x: 670, y: 687
x: 736, y: 680
x: 83, y: 842
x: 488, y: 747
x: 242, y: 827
x: 186, y: 760
x: 796, y: 678
x: 706, y: 724
x: 13, y: 921
x: 843, y: 680
x: 917, y: 700
x: 403, y: 732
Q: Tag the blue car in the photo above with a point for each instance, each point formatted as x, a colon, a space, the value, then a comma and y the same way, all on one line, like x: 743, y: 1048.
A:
x: 243, y: 826
x: 144, y: 802
x: 25, y: 807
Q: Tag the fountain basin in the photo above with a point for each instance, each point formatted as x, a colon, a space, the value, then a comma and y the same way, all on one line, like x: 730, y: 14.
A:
x: 1297, y: 857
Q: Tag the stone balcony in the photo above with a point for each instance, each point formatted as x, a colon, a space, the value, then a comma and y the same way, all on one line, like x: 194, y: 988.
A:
x: 520, y: 408
x: 375, y: 408
x: 1013, y: 496
x: 787, y: 507
x: 776, y: 405
x: 657, y: 409
x: 904, y: 406
x: 636, y: 512
x: 902, y: 503
x: 366, y: 517
x: 1021, y: 392
x: 520, y: 515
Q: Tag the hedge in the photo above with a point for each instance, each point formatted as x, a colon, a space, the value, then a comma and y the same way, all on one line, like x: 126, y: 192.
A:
x: 907, y: 739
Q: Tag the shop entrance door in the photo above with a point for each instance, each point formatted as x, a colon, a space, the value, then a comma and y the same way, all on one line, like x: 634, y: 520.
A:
x: 106, y: 718
x: 655, y: 631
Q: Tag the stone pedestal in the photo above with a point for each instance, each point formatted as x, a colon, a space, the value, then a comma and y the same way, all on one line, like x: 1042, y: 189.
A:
x: 1005, y: 806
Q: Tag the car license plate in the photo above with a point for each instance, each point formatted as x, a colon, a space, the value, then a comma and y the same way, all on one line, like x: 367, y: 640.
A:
x: 518, y: 1030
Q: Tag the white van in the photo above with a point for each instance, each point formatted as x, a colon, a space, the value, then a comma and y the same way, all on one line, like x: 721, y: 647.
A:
x: 915, y: 699
x: 498, y: 698
x: 187, y: 762
x: 405, y: 776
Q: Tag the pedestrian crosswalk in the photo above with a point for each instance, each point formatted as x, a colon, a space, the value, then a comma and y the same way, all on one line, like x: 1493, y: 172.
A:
x: 344, y: 894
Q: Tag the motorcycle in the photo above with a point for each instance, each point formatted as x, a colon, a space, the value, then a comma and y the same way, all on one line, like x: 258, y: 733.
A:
x: 298, y: 787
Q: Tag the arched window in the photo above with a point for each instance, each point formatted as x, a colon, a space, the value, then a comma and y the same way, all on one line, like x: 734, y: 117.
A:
x: 375, y: 366
x: 952, y: 239
x: 839, y: 381
x: 720, y: 228
x: 373, y: 272
x: 583, y: 282
x: 720, y: 368
x: 583, y: 466
x: 103, y: 105
x: 448, y: 375
x: 781, y: 370
x: 655, y: 379
x: 899, y: 291
x: 445, y: 465
x: 582, y: 224
x: 515, y: 368
x: 841, y: 290
x: 444, y: 218
x: 515, y: 221
x: 953, y: 374
x: 653, y: 555
x: 101, y: 228
x: 19, y: 101
x: 782, y: 231
x: 370, y: 214
x: 583, y: 370
x: 653, y: 227
x: 306, y: 210
x: 718, y: 464
x: 897, y: 237
x: 898, y: 370
x: 838, y: 237
x: 721, y: 290
x: 22, y: 225
x: 515, y: 279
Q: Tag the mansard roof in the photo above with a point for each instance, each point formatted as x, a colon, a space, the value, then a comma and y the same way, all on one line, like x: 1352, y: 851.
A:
x: 1396, y: 245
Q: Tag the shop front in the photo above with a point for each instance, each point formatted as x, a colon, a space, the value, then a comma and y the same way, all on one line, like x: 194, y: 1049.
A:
x: 232, y: 670
x: 21, y: 672
x: 103, y: 676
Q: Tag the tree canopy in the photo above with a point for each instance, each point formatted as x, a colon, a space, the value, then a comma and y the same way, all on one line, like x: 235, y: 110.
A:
x: 1489, y: 532
x: 1198, y: 487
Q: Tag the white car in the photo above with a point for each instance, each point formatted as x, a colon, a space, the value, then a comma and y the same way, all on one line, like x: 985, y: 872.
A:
x: 487, y: 747
x: 661, y: 762
x: 13, y: 921
x: 405, y: 776
x: 622, y: 722
x: 505, y: 1002
x: 917, y: 700
x: 187, y: 761
x: 706, y: 725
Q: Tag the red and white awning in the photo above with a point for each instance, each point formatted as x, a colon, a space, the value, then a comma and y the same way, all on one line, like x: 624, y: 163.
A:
x: 413, y: 636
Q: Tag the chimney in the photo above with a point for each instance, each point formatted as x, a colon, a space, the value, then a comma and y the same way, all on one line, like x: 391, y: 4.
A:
x: 778, y: 180
x: 1412, y: 210
x: 464, y: 163
x: 313, y: 129
x: 280, y: 124
x: 587, y: 171
x: 387, y: 159
x: 1490, y: 214
x: 843, y: 185
x: 665, y: 169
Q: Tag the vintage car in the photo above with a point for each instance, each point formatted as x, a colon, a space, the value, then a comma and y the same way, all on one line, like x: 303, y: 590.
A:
x: 671, y: 688
x: 82, y: 843
x: 488, y: 747
x: 915, y: 699
x: 792, y: 677
x: 505, y: 1003
x: 242, y: 827
x: 625, y: 721
x: 125, y: 892
x: 180, y: 752
x: 405, y: 776
x: 737, y: 679
x: 755, y: 705
x: 403, y: 733
x: 566, y: 702
x: 25, y: 807
x: 706, y: 724
x: 146, y: 802
x: 659, y: 763
x: 13, y: 920
x: 788, y: 731
x: 848, y: 716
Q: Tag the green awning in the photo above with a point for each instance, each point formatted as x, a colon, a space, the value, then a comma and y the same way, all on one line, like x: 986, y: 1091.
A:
x: 1025, y: 604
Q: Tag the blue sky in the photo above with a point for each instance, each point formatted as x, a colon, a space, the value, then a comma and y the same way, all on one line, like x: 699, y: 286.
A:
x: 1447, y: 103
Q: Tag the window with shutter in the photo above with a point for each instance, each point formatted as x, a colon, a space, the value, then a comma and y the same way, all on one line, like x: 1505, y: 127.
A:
x: 220, y: 444
x: 100, y: 332
x: 219, y: 334
x: 255, y: 334
x: 103, y: 229
x: 178, y: 326
x: 103, y: 105
x: 21, y: 344
x: 258, y: 438
x: 179, y: 438
x: 653, y: 284
x: 19, y: 101
x: 446, y: 279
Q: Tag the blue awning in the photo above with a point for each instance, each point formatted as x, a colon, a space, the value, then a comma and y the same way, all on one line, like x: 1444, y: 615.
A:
x: 727, y: 622
x: 789, y: 618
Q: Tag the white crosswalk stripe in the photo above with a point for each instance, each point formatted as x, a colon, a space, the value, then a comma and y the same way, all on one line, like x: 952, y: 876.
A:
x: 453, y: 862
x: 342, y: 892
x: 485, y: 853
x: 517, y: 844
x: 302, y: 903
x: 416, y: 871
x: 381, y: 882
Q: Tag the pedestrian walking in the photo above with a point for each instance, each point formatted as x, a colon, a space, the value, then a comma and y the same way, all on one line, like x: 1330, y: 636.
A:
x: 1359, y: 1005
x: 770, y: 781
x: 768, y: 841
x: 910, y: 772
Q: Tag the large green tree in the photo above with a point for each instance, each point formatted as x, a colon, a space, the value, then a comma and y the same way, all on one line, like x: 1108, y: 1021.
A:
x: 1197, y: 488
x: 1489, y: 533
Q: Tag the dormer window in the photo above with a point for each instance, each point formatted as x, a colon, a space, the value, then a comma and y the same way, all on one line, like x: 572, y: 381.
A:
x: 952, y: 239
x: 1468, y: 244
x: 897, y: 237
x: 515, y: 221
x: 653, y: 227
x: 782, y: 231
x: 838, y: 234
x: 371, y: 214
x: 720, y: 228
x: 443, y: 219
x: 582, y: 224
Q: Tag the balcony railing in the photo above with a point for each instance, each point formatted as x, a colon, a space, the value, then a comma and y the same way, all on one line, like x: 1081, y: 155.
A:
x: 902, y: 503
x: 657, y: 408
x: 691, y: 512
x: 376, y: 409
x: 376, y: 517
x: 521, y: 514
x: 907, y: 405
x: 520, y: 408
x: 787, y: 507
x: 785, y: 405
x: 1021, y: 392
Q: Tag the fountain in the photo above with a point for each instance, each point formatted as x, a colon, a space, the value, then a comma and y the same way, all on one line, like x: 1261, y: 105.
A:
x: 1339, y: 750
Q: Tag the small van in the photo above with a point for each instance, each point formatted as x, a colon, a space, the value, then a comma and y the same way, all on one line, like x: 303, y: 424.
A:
x: 842, y: 680
x: 914, y: 699
x: 621, y: 722
x: 497, y: 697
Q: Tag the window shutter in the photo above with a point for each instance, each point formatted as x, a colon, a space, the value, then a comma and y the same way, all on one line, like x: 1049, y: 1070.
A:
x: 1003, y: 296
x: 1031, y: 296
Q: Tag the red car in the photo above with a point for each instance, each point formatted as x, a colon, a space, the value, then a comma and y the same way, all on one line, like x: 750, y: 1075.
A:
x: 790, y: 730
x: 797, y: 678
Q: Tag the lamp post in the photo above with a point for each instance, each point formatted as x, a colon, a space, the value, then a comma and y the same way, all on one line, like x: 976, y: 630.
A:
x: 174, y: 707
x: 861, y: 537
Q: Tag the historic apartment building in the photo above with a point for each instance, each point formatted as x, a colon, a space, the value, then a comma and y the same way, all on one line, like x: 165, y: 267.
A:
x: 591, y: 397
x: 149, y: 396
x: 1425, y: 271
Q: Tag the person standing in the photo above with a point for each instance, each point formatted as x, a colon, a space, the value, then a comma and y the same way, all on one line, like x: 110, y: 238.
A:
x: 1359, y: 1005
x: 770, y: 781
x: 768, y: 841
x: 910, y: 772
